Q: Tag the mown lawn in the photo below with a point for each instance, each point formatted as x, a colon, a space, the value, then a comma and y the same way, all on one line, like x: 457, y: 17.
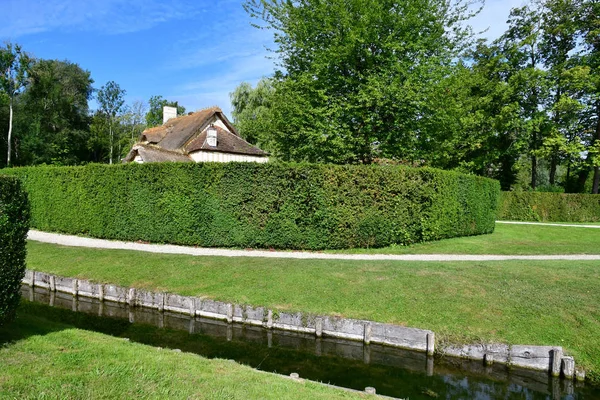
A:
x: 519, y: 302
x: 507, y: 240
x: 41, y: 359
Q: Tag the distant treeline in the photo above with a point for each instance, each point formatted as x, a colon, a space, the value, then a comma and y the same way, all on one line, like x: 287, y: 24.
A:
x: 51, y: 121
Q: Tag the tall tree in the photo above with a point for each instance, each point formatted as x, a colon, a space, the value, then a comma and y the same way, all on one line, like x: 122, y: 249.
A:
x: 558, y: 41
x: 55, y: 121
x: 498, y: 135
x: 111, y: 100
x: 14, y: 67
x: 589, y: 21
x: 356, y: 75
x: 154, y: 117
x: 521, y: 42
x: 251, y: 111
x: 136, y: 117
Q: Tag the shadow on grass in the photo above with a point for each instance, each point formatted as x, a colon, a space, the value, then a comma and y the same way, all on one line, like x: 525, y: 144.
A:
x: 36, y: 319
x: 392, y: 371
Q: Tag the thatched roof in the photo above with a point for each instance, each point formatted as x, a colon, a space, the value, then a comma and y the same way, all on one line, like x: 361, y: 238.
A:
x: 153, y: 154
x: 179, y: 137
x: 227, y: 142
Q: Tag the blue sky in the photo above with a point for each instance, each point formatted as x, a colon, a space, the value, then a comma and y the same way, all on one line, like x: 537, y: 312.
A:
x: 195, y: 52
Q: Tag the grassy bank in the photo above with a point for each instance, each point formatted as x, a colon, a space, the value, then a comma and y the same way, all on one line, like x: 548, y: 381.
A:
x: 541, y: 302
x: 70, y: 363
x: 508, y: 239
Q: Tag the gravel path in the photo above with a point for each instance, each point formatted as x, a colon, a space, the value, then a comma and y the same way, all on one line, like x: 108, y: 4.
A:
x: 545, y: 224
x: 77, y: 241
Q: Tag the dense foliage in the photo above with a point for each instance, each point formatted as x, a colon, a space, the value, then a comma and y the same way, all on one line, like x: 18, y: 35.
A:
x: 154, y: 117
x: 45, y: 118
x: 365, y: 80
x: 14, y: 224
x: 260, y: 205
x: 358, y: 78
x: 549, y: 207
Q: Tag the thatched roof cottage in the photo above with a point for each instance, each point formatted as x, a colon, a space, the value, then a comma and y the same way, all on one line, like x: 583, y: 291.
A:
x: 206, y: 135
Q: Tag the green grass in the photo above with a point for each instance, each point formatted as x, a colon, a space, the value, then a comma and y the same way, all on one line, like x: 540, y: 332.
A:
x: 41, y: 359
x: 519, y: 302
x: 507, y: 240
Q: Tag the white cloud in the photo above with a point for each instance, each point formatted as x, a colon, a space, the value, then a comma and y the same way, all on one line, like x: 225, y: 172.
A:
x: 222, y: 53
x: 214, y: 89
x: 23, y: 17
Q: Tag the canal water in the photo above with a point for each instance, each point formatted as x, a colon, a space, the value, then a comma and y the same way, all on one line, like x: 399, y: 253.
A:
x: 393, y: 372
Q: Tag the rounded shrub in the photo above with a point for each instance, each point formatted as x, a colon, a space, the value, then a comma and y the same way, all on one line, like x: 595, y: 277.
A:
x: 273, y: 205
x: 14, y: 224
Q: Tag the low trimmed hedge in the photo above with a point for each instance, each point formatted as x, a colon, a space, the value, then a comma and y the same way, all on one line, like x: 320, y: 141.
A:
x: 14, y: 224
x: 281, y: 206
x: 549, y: 207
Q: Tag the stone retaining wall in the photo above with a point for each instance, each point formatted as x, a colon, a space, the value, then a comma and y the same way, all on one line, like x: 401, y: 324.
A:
x: 542, y: 358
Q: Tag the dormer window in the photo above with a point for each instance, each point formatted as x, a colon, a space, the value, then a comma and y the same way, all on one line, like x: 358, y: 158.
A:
x: 211, y: 136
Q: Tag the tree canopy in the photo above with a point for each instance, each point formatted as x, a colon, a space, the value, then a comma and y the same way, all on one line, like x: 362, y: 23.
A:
x: 354, y: 76
x: 365, y: 81
x: 154, y: 117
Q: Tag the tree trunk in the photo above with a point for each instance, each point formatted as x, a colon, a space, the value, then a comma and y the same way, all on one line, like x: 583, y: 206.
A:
x: 10, y: 121
x: 533, y: 172
x: 111, y: 143
x: 553, y: 164
x: 597, y: 140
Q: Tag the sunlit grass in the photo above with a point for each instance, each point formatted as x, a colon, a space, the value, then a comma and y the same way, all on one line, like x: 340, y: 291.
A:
x: 507, y: 240
x: 519, y: 302
x: 52, y: 360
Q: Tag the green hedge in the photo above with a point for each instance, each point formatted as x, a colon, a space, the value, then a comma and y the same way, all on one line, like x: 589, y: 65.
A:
x: 550, y: 207
x: 14, y: 224
x: 260, y: 205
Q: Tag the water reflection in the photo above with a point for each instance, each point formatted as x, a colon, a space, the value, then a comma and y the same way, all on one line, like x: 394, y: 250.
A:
x: 393, y: 372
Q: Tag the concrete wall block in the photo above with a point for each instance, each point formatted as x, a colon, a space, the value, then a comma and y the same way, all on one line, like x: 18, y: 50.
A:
x: 64, y: 284
x: 145, y: 299
x: 210, y: 306
x: 42, y: 279
x: 555, y: 361
x: 28, y: 276
x: 148, y: 299
x: 115, y: 293
x: 179, y: 304
x: 344, y: 328
x: 568, y: 367
x: 399, y: 336
x: 497, y: 352
x: 213, y: 309
x: 222, y: 308
x: 319, y: 327
x: 288, y: 319
x: 229, y: 313
x: 238, y: 313
x: 532, y: 357
x: 87, y: 289
x: 255, y: 315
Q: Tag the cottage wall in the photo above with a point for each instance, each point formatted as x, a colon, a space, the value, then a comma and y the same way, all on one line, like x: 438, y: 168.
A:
x: 215, y: 156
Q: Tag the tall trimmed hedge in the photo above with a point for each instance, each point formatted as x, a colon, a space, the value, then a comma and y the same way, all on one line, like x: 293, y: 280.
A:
x: 550, y: 207
x: 260, y: 205
x: 14, y: 224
